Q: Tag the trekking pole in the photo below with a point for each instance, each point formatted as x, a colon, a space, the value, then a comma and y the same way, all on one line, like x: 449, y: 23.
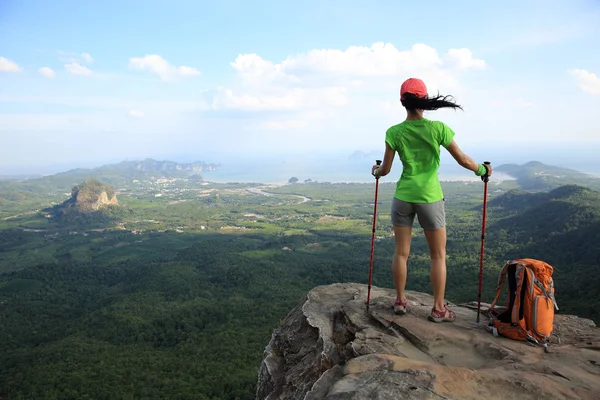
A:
x: 485, y: 180
x: 373, y: 237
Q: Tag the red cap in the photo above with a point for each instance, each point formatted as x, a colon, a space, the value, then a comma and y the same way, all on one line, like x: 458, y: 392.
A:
x: 414, y: 86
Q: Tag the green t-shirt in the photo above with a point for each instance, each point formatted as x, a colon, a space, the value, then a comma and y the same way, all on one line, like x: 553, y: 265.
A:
x: 417, y: 143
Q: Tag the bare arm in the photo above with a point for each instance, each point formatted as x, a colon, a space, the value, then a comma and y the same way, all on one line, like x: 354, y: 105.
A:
x: 386, y: 165
x: 461, y: 158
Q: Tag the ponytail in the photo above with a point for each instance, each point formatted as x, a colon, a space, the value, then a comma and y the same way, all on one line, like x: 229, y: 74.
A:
x: 412, y: 102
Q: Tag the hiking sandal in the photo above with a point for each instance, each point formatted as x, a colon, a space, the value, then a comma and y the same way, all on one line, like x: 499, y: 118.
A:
x: 397, y: 307
x: 445, y: 315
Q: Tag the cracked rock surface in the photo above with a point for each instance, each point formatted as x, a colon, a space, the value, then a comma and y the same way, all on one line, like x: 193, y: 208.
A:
x: 330, y: 347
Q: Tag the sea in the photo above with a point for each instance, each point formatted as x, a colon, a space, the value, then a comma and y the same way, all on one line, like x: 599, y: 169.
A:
x: 322, y: 170
x: 342, y: 168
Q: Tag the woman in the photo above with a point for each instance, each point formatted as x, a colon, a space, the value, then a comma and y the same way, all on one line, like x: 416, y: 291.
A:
x: 417, y: 141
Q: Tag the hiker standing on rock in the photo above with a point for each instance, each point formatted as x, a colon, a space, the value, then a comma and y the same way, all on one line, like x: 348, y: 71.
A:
x: 417, y: 141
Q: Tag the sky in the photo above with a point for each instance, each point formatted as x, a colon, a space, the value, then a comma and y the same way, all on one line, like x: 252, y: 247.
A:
x: 85, y: 83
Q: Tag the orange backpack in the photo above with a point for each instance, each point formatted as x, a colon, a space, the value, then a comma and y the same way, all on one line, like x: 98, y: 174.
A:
x: 529, y: 313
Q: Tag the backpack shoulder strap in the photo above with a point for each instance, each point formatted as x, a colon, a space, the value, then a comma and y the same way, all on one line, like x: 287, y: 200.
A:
x: 520, y: 274
x: 501, y: 280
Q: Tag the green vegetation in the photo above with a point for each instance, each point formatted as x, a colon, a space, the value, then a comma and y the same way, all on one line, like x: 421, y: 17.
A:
x: 177, y: 293
x: 561, y: 227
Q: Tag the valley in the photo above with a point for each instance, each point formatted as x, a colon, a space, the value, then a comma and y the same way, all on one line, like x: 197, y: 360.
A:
x: 175, y: 291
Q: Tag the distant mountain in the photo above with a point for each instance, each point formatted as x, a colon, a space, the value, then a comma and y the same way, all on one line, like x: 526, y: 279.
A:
x: 74, y: 171
x: 536, y: 176
x: 361, y: 155
x: 160, y: 166
x: 150, y: 165
x: 18, y: 177
x: 123, y: 173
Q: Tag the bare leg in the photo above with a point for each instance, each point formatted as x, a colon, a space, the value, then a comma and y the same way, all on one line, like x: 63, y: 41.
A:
x: 436, y: 239
x: 402, y: 235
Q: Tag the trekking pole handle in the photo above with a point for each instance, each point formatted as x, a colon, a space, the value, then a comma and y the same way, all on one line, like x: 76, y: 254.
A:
x: 486, y: 177
x: 378, y: 162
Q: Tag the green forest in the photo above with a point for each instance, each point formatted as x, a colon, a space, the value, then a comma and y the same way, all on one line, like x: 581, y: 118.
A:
x: 175, y: 294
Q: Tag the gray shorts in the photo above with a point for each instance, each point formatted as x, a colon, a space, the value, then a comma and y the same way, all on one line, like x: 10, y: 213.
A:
x: 431, y: 215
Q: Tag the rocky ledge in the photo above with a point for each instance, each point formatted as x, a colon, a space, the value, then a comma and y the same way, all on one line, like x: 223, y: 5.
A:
x: 330, y: 347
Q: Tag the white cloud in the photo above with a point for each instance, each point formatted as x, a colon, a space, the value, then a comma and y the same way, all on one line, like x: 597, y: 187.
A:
x: 292, y: 99
x: 47, y: 72
x: 381, y: 59
x: 586, y: 80
x: 188, y: 71
x: 87, y: 57
x: 78, y: 69
x: 70, y: 57
x: 7, y: 65
x: 157, y: 65
x: 136, y: 114
x: 463, y: 59
x: 329, y: 77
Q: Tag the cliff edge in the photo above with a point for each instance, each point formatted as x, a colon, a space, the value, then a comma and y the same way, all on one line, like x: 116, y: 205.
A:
x: 330, y: 347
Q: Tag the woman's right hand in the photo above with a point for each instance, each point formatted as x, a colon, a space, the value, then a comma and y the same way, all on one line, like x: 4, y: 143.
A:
x: 374, y: 169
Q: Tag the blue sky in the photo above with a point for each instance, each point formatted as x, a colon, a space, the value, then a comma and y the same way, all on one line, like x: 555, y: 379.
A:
x: 83, y: 83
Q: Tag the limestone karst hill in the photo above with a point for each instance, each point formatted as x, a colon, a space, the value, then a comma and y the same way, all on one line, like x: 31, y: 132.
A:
x: 92, y: 195
x: 91, y: 202
x: 330, y: 347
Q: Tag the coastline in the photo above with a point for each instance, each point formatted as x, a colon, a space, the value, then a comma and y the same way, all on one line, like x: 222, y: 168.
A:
x: 322, y: 171
x: 499, y: 178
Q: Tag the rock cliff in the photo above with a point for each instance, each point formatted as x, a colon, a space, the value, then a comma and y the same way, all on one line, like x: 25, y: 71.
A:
x: 91, y: 203
x: 92, y: 195
x: 330, y: 347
